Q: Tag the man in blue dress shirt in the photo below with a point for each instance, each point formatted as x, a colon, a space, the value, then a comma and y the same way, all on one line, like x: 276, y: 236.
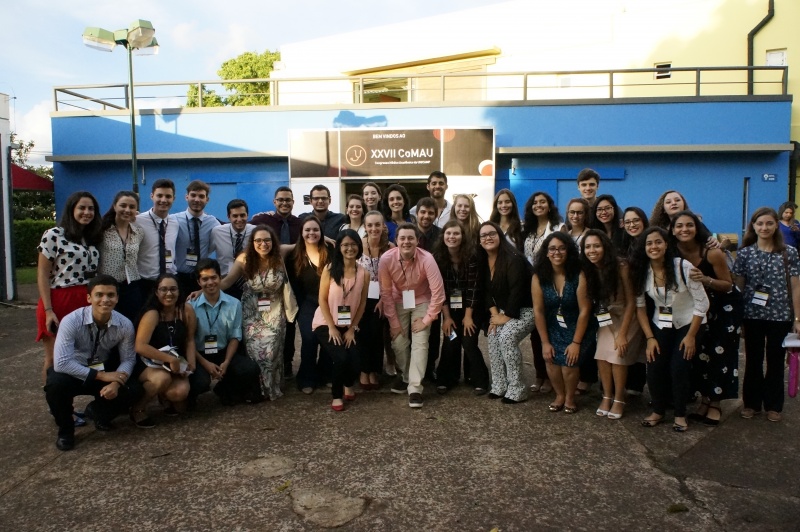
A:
x: 194, y: 234
x: 94, y: 355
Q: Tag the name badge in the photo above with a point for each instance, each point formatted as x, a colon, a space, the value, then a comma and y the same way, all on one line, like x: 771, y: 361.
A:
x: 264, y: 303
x: 603, y: 316
x: 96, y: 364
x: 456, y: 299
x: 128, y: 274
x: 409, y: 299
x: 168, y: 258
x: 665, y: 317
x: 374, y: 290
x: 453, y: 335
x: 191, y: 258
x: 210, y: 344
x: 343, y: 316
x: 761, y: 296
x: 561, y: 321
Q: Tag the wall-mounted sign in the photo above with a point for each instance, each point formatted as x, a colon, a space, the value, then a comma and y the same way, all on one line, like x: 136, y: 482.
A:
x: 387, y: 153
x: 769, y: 177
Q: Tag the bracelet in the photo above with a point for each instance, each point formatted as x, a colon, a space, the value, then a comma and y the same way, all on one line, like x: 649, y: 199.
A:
x: 574, y: 342
x: 651, y: 337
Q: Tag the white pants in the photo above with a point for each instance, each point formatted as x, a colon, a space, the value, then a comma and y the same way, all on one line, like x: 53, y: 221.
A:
x: 411, y: 349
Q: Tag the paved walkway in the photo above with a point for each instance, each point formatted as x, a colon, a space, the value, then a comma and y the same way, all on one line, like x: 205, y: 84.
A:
x: 459, y: 463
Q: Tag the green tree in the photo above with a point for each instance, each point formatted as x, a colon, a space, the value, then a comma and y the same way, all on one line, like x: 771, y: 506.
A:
x: 32, y: 205
x: 249, y: 65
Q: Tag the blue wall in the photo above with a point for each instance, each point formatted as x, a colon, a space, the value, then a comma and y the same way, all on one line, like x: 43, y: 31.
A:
x: 712, y: 182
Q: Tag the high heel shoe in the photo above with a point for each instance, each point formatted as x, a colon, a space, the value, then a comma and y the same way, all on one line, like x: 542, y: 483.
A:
x: 612, y: 415
x: 600, y: 412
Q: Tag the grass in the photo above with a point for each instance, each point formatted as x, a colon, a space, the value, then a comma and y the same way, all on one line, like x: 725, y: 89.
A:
x: 26, y: 275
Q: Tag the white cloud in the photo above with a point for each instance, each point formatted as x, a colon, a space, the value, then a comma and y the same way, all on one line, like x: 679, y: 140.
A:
x: 35, y: 125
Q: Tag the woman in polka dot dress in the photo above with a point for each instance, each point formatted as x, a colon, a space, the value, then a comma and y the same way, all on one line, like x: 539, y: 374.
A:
x: 68, y: 257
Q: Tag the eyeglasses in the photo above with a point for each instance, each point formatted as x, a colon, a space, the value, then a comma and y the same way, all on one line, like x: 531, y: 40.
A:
x: 343, y: 246
x: 284, y: 200
x: 168, y: 290
x: 575, y: 213
x: 557, y: 251
x: 632, y: 221
x: 320, y: 198
x: 607, y: 208
x: 262, y: 240
x: 487, y: 236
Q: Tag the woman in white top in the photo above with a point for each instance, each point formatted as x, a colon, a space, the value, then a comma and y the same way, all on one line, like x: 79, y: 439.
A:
x: 119, y: 252
x: 671, y: 307
x: 577, y: 212
x: 541, y: 218
x: 355, y: 211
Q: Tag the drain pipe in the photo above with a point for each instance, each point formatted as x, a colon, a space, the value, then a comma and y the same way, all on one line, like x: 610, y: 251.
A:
x: 750, y: 38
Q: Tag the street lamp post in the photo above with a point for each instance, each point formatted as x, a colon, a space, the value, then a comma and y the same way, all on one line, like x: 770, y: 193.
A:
x: 138, y: 38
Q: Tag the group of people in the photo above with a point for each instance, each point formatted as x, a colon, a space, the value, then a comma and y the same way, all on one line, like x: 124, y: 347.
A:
x: 607, y: 295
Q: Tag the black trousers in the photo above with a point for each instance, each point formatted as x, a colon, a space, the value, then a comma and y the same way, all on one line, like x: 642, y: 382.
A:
x: 669, y: 364
x: 371, y: 339
x: 241, y: 380
x: 61, y: 389
x: 434, y: 341
x: 345, y: 360
x: 764, y: 338
x: 288, y: 348
x: 637, y: 377
x: 449, y: 370
x: 538, y: 357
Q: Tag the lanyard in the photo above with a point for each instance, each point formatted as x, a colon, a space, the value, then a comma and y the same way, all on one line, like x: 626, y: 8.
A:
x: 404, y: 272
x: 208, y: 318
x: 97, y: 339
x: 124, y: 243
x: 155, y: 224
x: 655, y: 285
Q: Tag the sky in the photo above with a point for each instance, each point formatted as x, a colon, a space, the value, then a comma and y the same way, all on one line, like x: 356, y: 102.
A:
x: 41, y: 45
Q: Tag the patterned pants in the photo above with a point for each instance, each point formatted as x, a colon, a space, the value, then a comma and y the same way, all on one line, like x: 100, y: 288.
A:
x: 505, y: 356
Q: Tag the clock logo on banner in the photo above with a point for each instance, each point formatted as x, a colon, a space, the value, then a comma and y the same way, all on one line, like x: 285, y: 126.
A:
x: 356, y: 155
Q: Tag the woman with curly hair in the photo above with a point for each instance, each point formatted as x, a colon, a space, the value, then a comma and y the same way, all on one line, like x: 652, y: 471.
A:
x: 619, y: 337
x: 464, y: 211
x: 69, y: 256
x: 671, y: 308
x: 505, y: 213
x: 263, y: 308
x: 563, y: 313
x: 396, y: 208
x: 668, y: 205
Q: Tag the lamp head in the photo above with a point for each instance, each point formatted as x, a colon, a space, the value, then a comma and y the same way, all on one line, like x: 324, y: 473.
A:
x: 99, y: 39
x: 140, y: 33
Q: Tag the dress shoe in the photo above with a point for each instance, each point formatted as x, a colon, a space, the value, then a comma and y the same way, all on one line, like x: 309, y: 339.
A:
x: 337, y: 408
x: 65, y: 444
x: 349, y: 397
x: 103, y: 426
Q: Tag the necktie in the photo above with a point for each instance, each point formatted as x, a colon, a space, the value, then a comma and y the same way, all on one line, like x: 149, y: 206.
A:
x: 237, y: 247
x: 162, y: 248
x: 285, y: 238
x: 196, y: 238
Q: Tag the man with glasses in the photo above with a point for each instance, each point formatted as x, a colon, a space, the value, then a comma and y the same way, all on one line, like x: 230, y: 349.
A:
x: 288, y: 227
x: 228, y: 240
x: 320, y: 201
x: 412, y: 292
x: 437, y: 186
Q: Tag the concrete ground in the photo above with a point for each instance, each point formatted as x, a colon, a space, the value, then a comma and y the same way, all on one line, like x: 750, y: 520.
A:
x: 460, y: 463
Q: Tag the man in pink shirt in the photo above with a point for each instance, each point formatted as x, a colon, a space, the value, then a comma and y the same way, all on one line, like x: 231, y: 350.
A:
x: 412, y: 292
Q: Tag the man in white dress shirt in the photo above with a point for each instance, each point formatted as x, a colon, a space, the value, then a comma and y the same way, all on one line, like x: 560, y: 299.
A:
x: 228, y: 240
x: 157, y: 250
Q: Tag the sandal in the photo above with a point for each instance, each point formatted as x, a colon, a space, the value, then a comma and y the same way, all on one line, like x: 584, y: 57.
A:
x: 142, y: 423
x: 650, y: 423
x: 600, y: 412
x: 697, y: 416
x: 612, y: 415
x: 677, y: 427
x: 570, y: 409
x: 712, y: 422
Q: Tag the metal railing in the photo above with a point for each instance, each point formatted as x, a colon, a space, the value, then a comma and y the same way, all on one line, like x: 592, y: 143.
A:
x: 448, y: 89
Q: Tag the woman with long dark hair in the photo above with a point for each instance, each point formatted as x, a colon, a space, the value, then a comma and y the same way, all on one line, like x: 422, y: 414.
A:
x: 372, y: 196
x: 634, y: 221
x: 505, y: 213
x: 263, y: 306
x: 119, y: 252
x: 768, y: 272
x: 790, y: 228
x: 306, y: 264
x: 342, y: 301
x: 619, y: 337
x: 69, y: 256
x: 668, y: 205
x: 164, y: 336
x: 374, y: 245
x: 608, y: 218
x: 506, y: 299
x: 396, y: 208
x: 716, y: 367
x: 563, y: 314
x: 541, y: 219
x: 458, y: 264
x: 671, y: 307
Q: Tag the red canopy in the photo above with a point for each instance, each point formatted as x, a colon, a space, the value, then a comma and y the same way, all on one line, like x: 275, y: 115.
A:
x: 22, y: 179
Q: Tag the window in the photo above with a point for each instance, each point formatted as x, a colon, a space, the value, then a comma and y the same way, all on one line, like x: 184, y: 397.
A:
x: 664, y: 70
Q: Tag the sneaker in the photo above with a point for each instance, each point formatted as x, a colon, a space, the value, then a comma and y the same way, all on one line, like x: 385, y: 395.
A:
x: 441, y: 389
x: 774, y: 416
x: 415, y: 400
x: 747, y: 413
x: 479, y: 391
x: 170, y: 411
x: 398, y: 386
